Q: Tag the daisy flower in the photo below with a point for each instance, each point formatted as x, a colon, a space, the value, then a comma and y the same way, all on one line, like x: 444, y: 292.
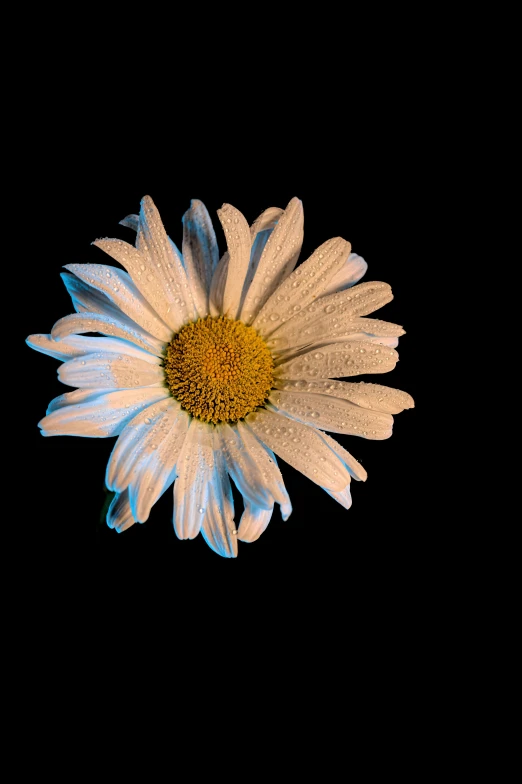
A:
x: 206, y: 367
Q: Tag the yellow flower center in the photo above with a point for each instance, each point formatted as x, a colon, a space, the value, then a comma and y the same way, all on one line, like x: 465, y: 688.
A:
x: 219, y: 369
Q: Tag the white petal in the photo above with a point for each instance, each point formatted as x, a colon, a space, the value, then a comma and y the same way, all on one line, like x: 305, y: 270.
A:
x: 333, y: 414
x: 217, y: 287
x: 339, y: 360
x: 330, y: 328
x: 260, y: 231
x: 265, y: 461
x: 254, y: 521
x: 302, y: 286
x: 353, y: 270
x: 118, y: 286
x: 46, y: 345
x: 239, y: 243
x: 128, y: 449
x: 85, y: 298
x: 131, y: 221
x: 145, y: 276
x: 79, y: 345
x: 278, y: 259
x: 355, y: 469
x: 119, y: 515
x: 283, y: 355
x: 267, y: 221
x: 379, y: 341
x: 301, y: 446
x: 72, y: 398
x: 195, y: 470
x: 107, y: 325
x: 242, y: 467
x: 375, y: 327
x: 148, y: 279
x: 156, y: 469
x: 372, y: 396
x: 167, y: 263
x: 219, y: 530
x: 109, y: 370
x: 344, y: 497
x: 322, y: 317
x: 200, y: 253
x: 105, y: 415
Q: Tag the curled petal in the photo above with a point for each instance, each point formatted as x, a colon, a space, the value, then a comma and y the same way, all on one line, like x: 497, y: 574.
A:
x: 344, y: 497
x: 200, y: 253
x: 254, y: 521
x: 239, y: 243
x: 354, y: 269
x: 119, y: 514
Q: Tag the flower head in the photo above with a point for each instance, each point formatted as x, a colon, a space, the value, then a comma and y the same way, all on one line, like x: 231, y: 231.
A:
x: 207, y: 367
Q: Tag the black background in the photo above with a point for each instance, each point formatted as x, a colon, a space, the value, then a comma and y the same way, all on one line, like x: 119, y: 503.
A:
x: 368, y: 189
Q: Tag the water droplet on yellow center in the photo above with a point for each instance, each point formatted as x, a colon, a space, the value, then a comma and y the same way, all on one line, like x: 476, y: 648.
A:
x: 219, y: 369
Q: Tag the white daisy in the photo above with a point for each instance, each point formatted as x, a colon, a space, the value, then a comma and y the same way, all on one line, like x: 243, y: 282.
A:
x: 210, y: 366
